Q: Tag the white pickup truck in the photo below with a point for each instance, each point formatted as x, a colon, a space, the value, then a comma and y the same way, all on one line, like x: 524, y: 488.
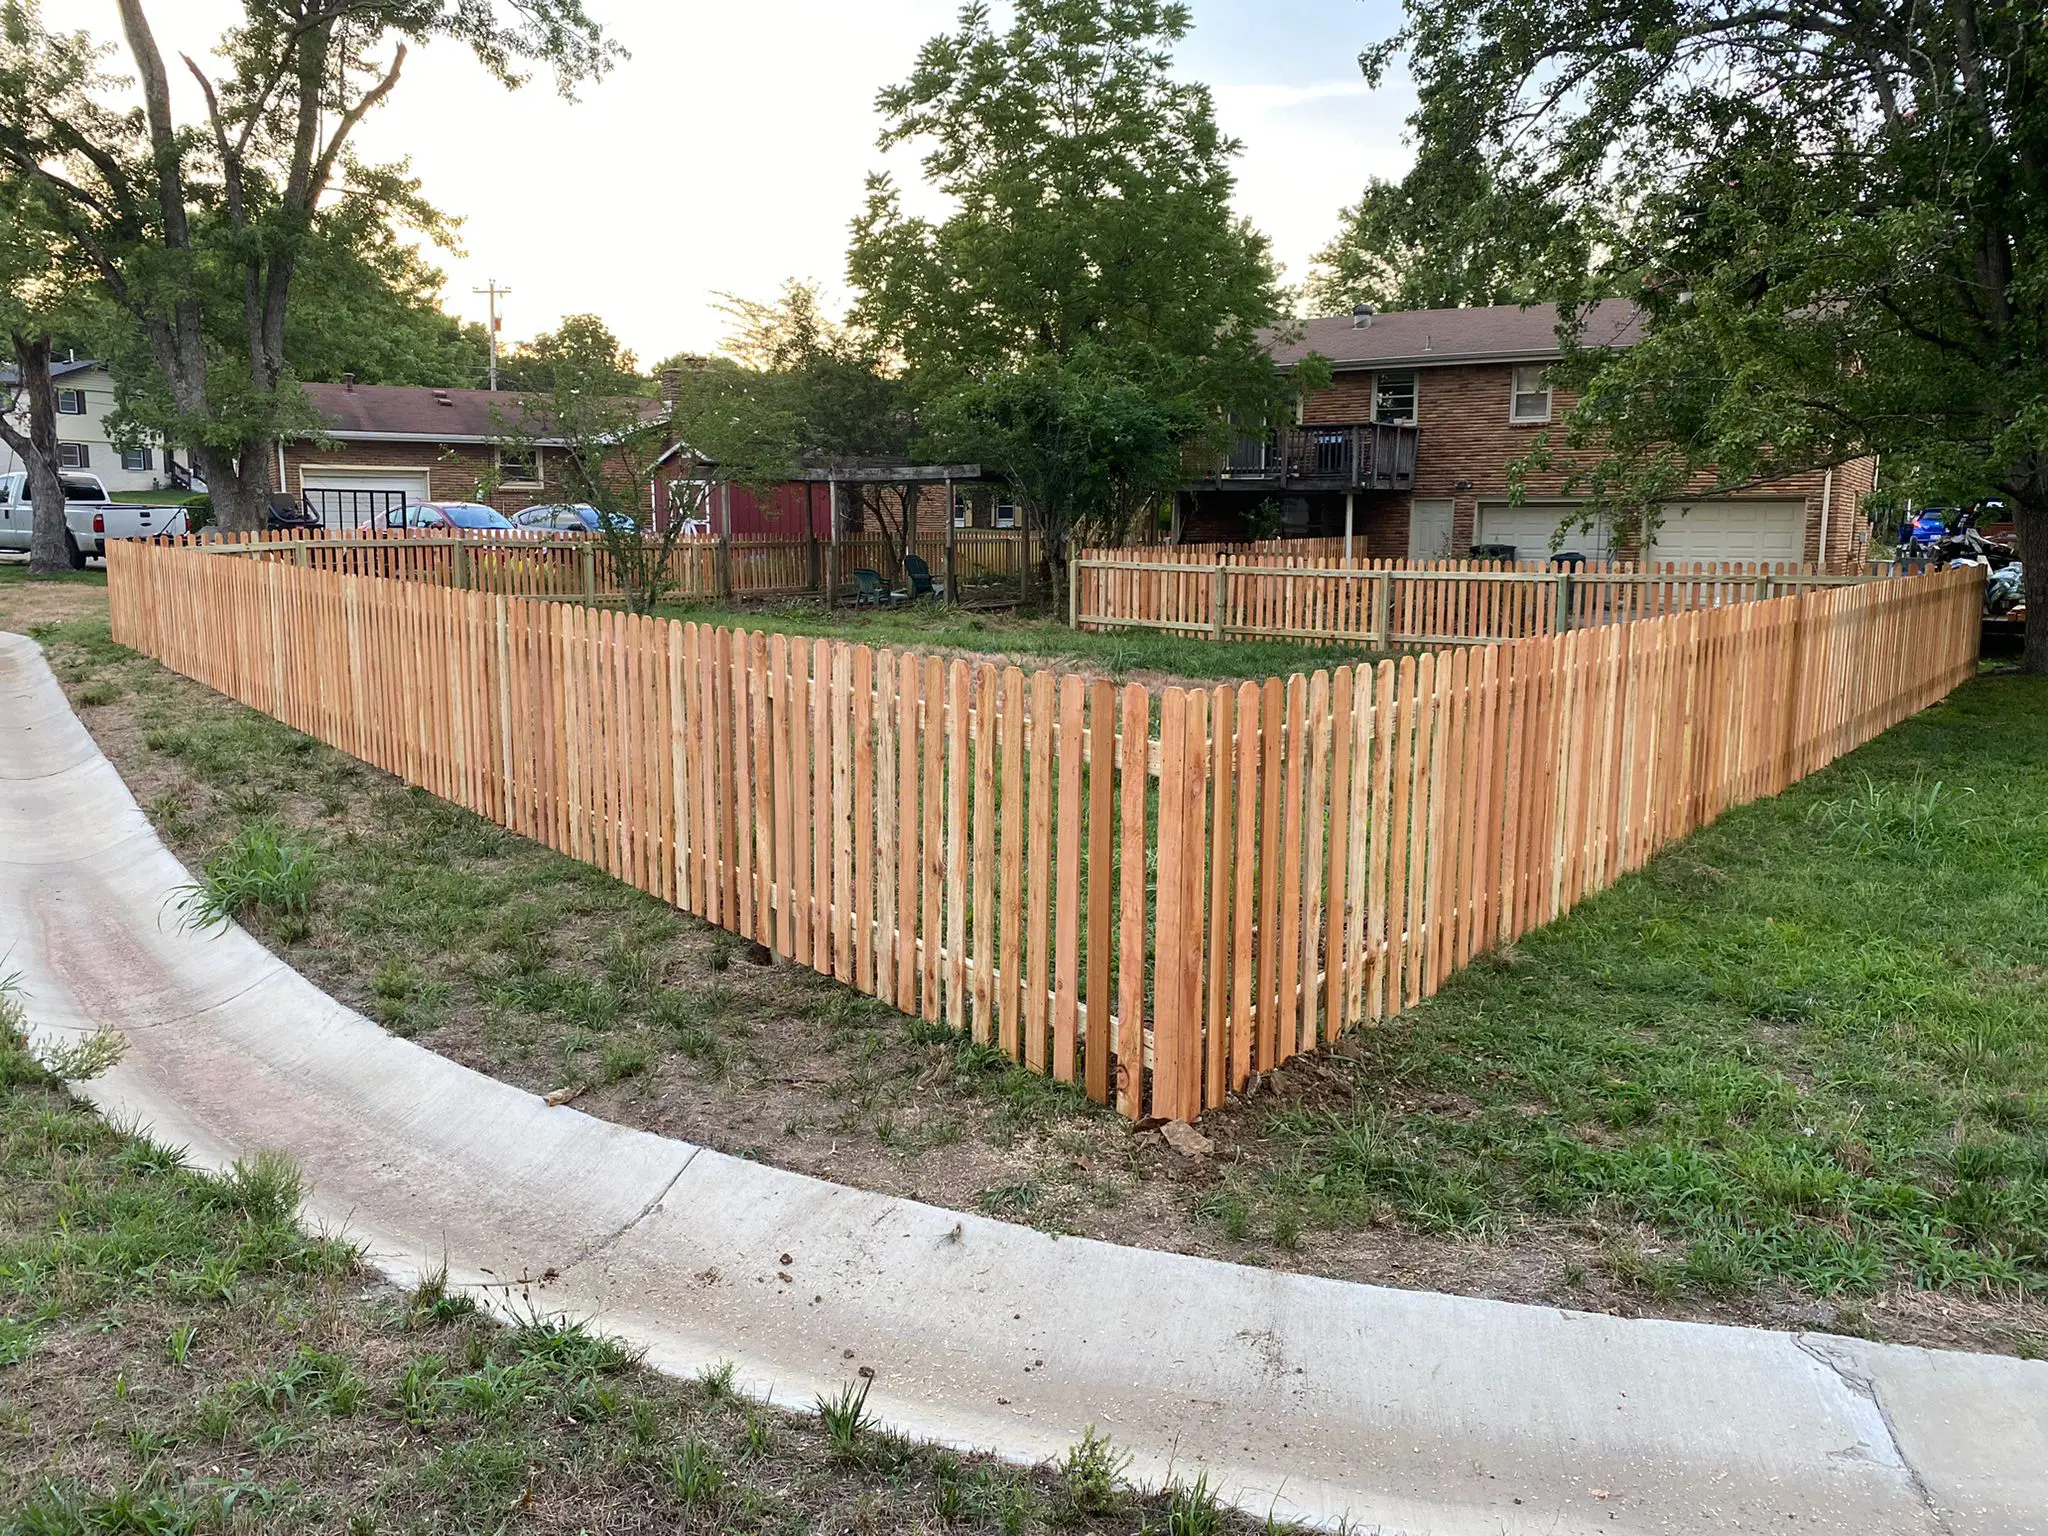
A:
x: 90, y: 517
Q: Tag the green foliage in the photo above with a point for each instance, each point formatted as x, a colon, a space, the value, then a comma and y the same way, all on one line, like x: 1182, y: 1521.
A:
x: 198, y: 234
x: 262, y: 870
x: 1834, y: 224
x: 1805, y: 1045
x: 695, y: 1473
x: 1093, y: 1474
x: 846, y: 1420
x: 1091, y: 304
x: 580, y: 353
x: 1442, y: 237
x: 1092, y: 441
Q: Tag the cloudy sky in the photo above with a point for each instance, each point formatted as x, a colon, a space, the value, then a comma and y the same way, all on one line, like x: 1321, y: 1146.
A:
x: 728, y: 153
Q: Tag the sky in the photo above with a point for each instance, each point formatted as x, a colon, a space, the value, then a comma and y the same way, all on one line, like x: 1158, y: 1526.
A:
x: 729, y: 152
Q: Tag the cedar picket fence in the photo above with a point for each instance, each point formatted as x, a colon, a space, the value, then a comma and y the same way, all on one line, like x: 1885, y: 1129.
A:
x: 1155, y: 897
x: 581, y: 568
x: 1262, y: 592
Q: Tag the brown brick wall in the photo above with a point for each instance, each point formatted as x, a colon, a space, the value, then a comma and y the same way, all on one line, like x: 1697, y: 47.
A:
x: 453, y: 469
x: 1465, y: 435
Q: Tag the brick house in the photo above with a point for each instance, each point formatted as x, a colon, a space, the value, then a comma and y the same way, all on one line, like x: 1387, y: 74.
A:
x: 389, y: 445
x: 1413, y: 438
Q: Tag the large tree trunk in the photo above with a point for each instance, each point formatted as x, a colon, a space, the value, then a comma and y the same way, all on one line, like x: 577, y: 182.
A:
x: 2030, y: 515
x: 49, y: 547
x: 238, y: 484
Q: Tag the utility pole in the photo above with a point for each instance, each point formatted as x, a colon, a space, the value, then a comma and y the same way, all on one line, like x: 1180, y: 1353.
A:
x: 496, y: 293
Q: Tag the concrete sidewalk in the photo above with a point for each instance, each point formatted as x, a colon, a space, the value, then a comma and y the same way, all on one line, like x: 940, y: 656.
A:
x: 1318, y: 1400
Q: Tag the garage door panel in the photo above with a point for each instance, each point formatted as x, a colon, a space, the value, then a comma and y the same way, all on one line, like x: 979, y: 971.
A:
x: 1531, y: 528
x: 348, y: 499
x: 1744, y: 531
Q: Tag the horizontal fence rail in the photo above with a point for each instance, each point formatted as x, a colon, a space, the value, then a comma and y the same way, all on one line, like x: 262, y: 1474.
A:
x: 1265, y: 593
x: 1152, y: 895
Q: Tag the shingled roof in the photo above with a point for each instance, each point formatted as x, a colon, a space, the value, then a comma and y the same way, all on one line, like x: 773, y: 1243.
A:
x: 1496, y: 334
x: 419, y: 414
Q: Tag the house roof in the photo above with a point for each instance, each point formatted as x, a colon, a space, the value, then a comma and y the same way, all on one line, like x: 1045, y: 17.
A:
x: 417, y: 413
x: 9, y: 374
x: 1420, y: 337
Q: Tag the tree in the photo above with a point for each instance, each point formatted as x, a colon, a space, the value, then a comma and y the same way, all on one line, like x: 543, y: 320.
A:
x: 606, y: 447
x: 168, y: 215
x: 581, y: 351
x: 1091, y: 191
x: 1092, y: 442
x: 1834, y: 213
x: 1443, y: 237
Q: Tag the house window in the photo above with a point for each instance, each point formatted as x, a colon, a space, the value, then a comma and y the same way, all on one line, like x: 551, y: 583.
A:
x: 519, y: 466
x: 70, y: 402
x: 1393, y: 399
x: 1531, y: 400
x: 1006, y: 514
x: 73, y: 456
x: 963, y: 515
x: 136, y: 459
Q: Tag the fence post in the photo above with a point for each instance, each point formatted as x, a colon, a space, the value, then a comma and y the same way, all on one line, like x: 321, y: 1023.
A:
x: 587, y: 558
x: 1565, y: 588
x: 724, y: 574
x: 462, y: 571
x: 1383, y: 602
x: 1216, y: 601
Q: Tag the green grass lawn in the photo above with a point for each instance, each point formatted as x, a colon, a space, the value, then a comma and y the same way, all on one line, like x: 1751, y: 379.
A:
x: 1809, y: 1043
x: 1029, y: 640
x: 1800, y: 1059
x: 15, y: 573
x: 177, y: 1357
x: 163, y: 498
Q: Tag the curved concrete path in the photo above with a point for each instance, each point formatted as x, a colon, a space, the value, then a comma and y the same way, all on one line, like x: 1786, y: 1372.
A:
x: 1399, y: 1410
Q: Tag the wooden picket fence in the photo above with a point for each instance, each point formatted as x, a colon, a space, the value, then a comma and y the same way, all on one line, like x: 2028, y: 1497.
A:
x: 1154, y: 896
x: 1217, y: 592
x: 580, y: 567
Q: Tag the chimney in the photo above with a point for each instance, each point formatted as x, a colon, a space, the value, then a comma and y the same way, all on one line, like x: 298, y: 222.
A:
x: 1361, y: 316
x: 348, y: 383
x: 671, y: 385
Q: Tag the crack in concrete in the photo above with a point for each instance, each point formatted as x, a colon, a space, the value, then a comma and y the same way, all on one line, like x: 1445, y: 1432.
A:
x: 592, y: 1249
x: 1861, y: 1383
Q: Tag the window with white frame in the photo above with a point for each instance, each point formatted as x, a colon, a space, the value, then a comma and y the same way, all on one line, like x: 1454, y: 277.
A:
x: 1393, y: 399
x: 1006, y: 514
x: 137, y: 459
x: 1531, y: 398
x: 963, y: 513
x: 70, y: 402
x: 73, y: 456
x: 519, y: 466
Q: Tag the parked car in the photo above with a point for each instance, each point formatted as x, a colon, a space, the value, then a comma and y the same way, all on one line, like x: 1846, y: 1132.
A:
x: 578, y: 517
x: 91, y: 517
x: 429, y: 516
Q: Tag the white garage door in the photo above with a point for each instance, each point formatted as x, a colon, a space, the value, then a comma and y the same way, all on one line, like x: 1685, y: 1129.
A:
x: 349, y: 499
x: 1529, y: 529
x: 1747, y: 531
